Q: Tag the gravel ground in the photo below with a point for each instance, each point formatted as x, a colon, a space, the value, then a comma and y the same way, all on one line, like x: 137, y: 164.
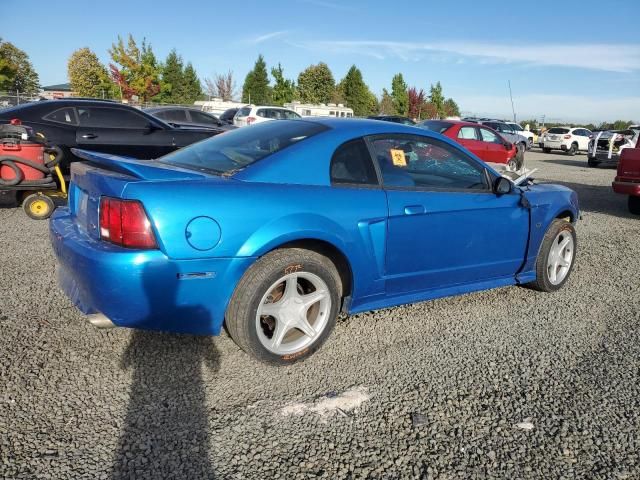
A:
x: 508, y: 383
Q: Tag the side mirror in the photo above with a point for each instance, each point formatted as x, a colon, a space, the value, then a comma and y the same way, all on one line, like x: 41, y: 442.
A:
x: 502, y: 186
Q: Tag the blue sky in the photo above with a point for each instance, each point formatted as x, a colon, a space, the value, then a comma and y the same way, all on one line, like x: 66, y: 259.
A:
x: 570, y: 60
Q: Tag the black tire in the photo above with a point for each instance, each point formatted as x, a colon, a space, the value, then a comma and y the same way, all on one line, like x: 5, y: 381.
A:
x: 520, y: 156
x: 634, y: 205
x: 542, y: 281
x: 573, y: 149
x: 243, y: 307
x: 530, y: 144
x: 546, y: 150
x: 513, y: 164
x: 592, y: 162
x: 38, y: 206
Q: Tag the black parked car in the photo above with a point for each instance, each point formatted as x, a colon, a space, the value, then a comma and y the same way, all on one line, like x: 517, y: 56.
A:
x: 103, y: 126
x: 183, y: 116
x: 394, y: 119
x: 227, y: 115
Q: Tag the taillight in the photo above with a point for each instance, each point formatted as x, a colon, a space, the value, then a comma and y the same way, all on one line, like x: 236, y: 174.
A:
x: 250, y: 120
x: 15, y: 121
x: 125, y: 223
x: 567, y: 137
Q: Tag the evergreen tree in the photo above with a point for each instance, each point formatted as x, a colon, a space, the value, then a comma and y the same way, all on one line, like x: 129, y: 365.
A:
x: 316, y: 84
x: 17, y: 71
x: 387, y: 106
x: 357, y: 94
x: 284, y: 90
x: 172, y: 78
x: 191, y: 87
x: 400, y: 95
x: 437, y: 99
x: 256, y: 89
x: 89, y: 77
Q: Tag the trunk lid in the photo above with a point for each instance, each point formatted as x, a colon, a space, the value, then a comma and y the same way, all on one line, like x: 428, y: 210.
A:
x: 109, y: 175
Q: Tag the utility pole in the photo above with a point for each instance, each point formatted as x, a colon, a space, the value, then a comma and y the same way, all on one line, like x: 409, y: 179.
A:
x: 512, y: 108
x: 543, y: 117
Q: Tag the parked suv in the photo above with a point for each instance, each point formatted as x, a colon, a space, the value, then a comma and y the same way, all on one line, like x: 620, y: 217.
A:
x: 517, y: 128
x: 251, y: 114
x: 568, y: 139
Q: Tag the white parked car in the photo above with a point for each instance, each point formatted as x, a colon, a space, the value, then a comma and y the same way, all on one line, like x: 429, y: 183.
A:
x: 250, y: 114
x: 568, y: 139
x: 521, y: 131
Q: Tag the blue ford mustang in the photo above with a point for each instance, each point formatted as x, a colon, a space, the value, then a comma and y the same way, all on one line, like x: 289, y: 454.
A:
x: 276, y: 228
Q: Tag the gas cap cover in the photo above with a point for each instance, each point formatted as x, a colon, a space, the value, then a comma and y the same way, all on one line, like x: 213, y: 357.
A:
x: 203, y: 233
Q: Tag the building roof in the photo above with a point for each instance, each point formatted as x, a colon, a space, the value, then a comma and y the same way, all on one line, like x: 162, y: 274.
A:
x: 60, y: 87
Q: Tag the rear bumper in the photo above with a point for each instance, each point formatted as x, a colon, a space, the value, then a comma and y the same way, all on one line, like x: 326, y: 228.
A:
x: 142, y: 288
x: 627, y: 188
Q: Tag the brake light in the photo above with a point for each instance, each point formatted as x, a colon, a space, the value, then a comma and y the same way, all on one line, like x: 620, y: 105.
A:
x: 250, y: 120
x: 15, y: 121
x: 567, y: 137
x: 125, y: 223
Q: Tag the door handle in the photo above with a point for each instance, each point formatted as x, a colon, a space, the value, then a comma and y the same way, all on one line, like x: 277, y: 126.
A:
x: 89, y: 136
x: 414, y: 209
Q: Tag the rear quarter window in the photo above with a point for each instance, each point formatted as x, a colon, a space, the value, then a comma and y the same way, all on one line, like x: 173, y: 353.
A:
x: 66, y: 115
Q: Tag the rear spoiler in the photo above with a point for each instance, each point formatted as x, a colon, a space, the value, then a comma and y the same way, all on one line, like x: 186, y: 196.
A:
x: 142, y: 169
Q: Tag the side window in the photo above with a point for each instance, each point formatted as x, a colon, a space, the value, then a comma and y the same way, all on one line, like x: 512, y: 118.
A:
x: 174, y: 116
x: 351, y: 163
x: 263, y: 112
x: 199, y: 117
x: 467, y: 133
x: 489, y: 136
x: 65, y: 115
x: 426, y: 163
x: 110, y: 118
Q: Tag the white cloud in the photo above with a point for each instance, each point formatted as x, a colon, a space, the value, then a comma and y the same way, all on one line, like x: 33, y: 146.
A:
x: 614, y: 58
x: 267, y: 36
x: 556, y: 108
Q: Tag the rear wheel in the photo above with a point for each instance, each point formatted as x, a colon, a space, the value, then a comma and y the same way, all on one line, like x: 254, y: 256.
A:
x: 573, y: 149
x: 556, y: 257
x: 546, y: 150
x: 38, y: 206
x: 285, y: 306
x: 634, y: 205
x: 530, y: 144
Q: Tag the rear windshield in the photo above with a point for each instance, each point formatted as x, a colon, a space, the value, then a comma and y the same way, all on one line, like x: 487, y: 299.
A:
x: 243, y: 112
x: 227, y: 153
x: 435, y: 125
x: 558, y: 130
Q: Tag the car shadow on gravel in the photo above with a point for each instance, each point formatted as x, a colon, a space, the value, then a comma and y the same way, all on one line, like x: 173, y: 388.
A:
x: 165, y: 433
x: 598, y: 199
x: 580, y: 162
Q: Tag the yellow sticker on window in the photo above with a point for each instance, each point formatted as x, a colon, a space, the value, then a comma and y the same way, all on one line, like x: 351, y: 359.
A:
x: 397, y: 157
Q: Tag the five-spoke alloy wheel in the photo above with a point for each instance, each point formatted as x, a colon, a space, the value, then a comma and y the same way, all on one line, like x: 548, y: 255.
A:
x: 556, y: 256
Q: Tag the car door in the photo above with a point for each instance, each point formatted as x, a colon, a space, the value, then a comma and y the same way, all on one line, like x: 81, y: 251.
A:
x: 583, y: 139
x: 122, y: 132
x: 468, y: 137
x: 446, y: 226
x: 494, y: 146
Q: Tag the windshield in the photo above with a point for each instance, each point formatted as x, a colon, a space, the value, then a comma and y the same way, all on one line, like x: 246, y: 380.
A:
x: 516, y: 127
x: 227, y: 153
x: 558, y: 130
x: 435, y: 125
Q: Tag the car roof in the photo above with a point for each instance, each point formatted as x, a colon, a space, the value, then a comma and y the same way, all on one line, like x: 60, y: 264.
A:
x: 453, y: 122
x: 357, y: 125
x: 174, y: 107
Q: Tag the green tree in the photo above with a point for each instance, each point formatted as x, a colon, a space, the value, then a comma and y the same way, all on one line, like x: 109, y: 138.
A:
x: 89, y: 77
x: 357, y: 94
x: 172, y: 78
x: 256, y: 89
x: 284, y: 90
x: 191, y: 89
x: 437, y: 99
x: 316, y: 84
x: 387, y: 106
x: 135, y: 70
x: 16, y: 70
x: 400, y: 95
x: 451, y: 108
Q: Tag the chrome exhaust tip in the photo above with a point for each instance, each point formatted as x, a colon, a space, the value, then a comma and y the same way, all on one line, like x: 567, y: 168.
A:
x: 99, y: 320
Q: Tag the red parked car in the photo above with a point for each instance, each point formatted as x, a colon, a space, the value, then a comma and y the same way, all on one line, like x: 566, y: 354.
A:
x: 483, y: 141
x: 627, y: 180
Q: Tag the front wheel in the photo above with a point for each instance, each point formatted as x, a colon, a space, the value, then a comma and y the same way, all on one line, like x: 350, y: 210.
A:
x: 530, y: 144
x: 555, y: 257
x: 285, y: 306
x: 634, y: 205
